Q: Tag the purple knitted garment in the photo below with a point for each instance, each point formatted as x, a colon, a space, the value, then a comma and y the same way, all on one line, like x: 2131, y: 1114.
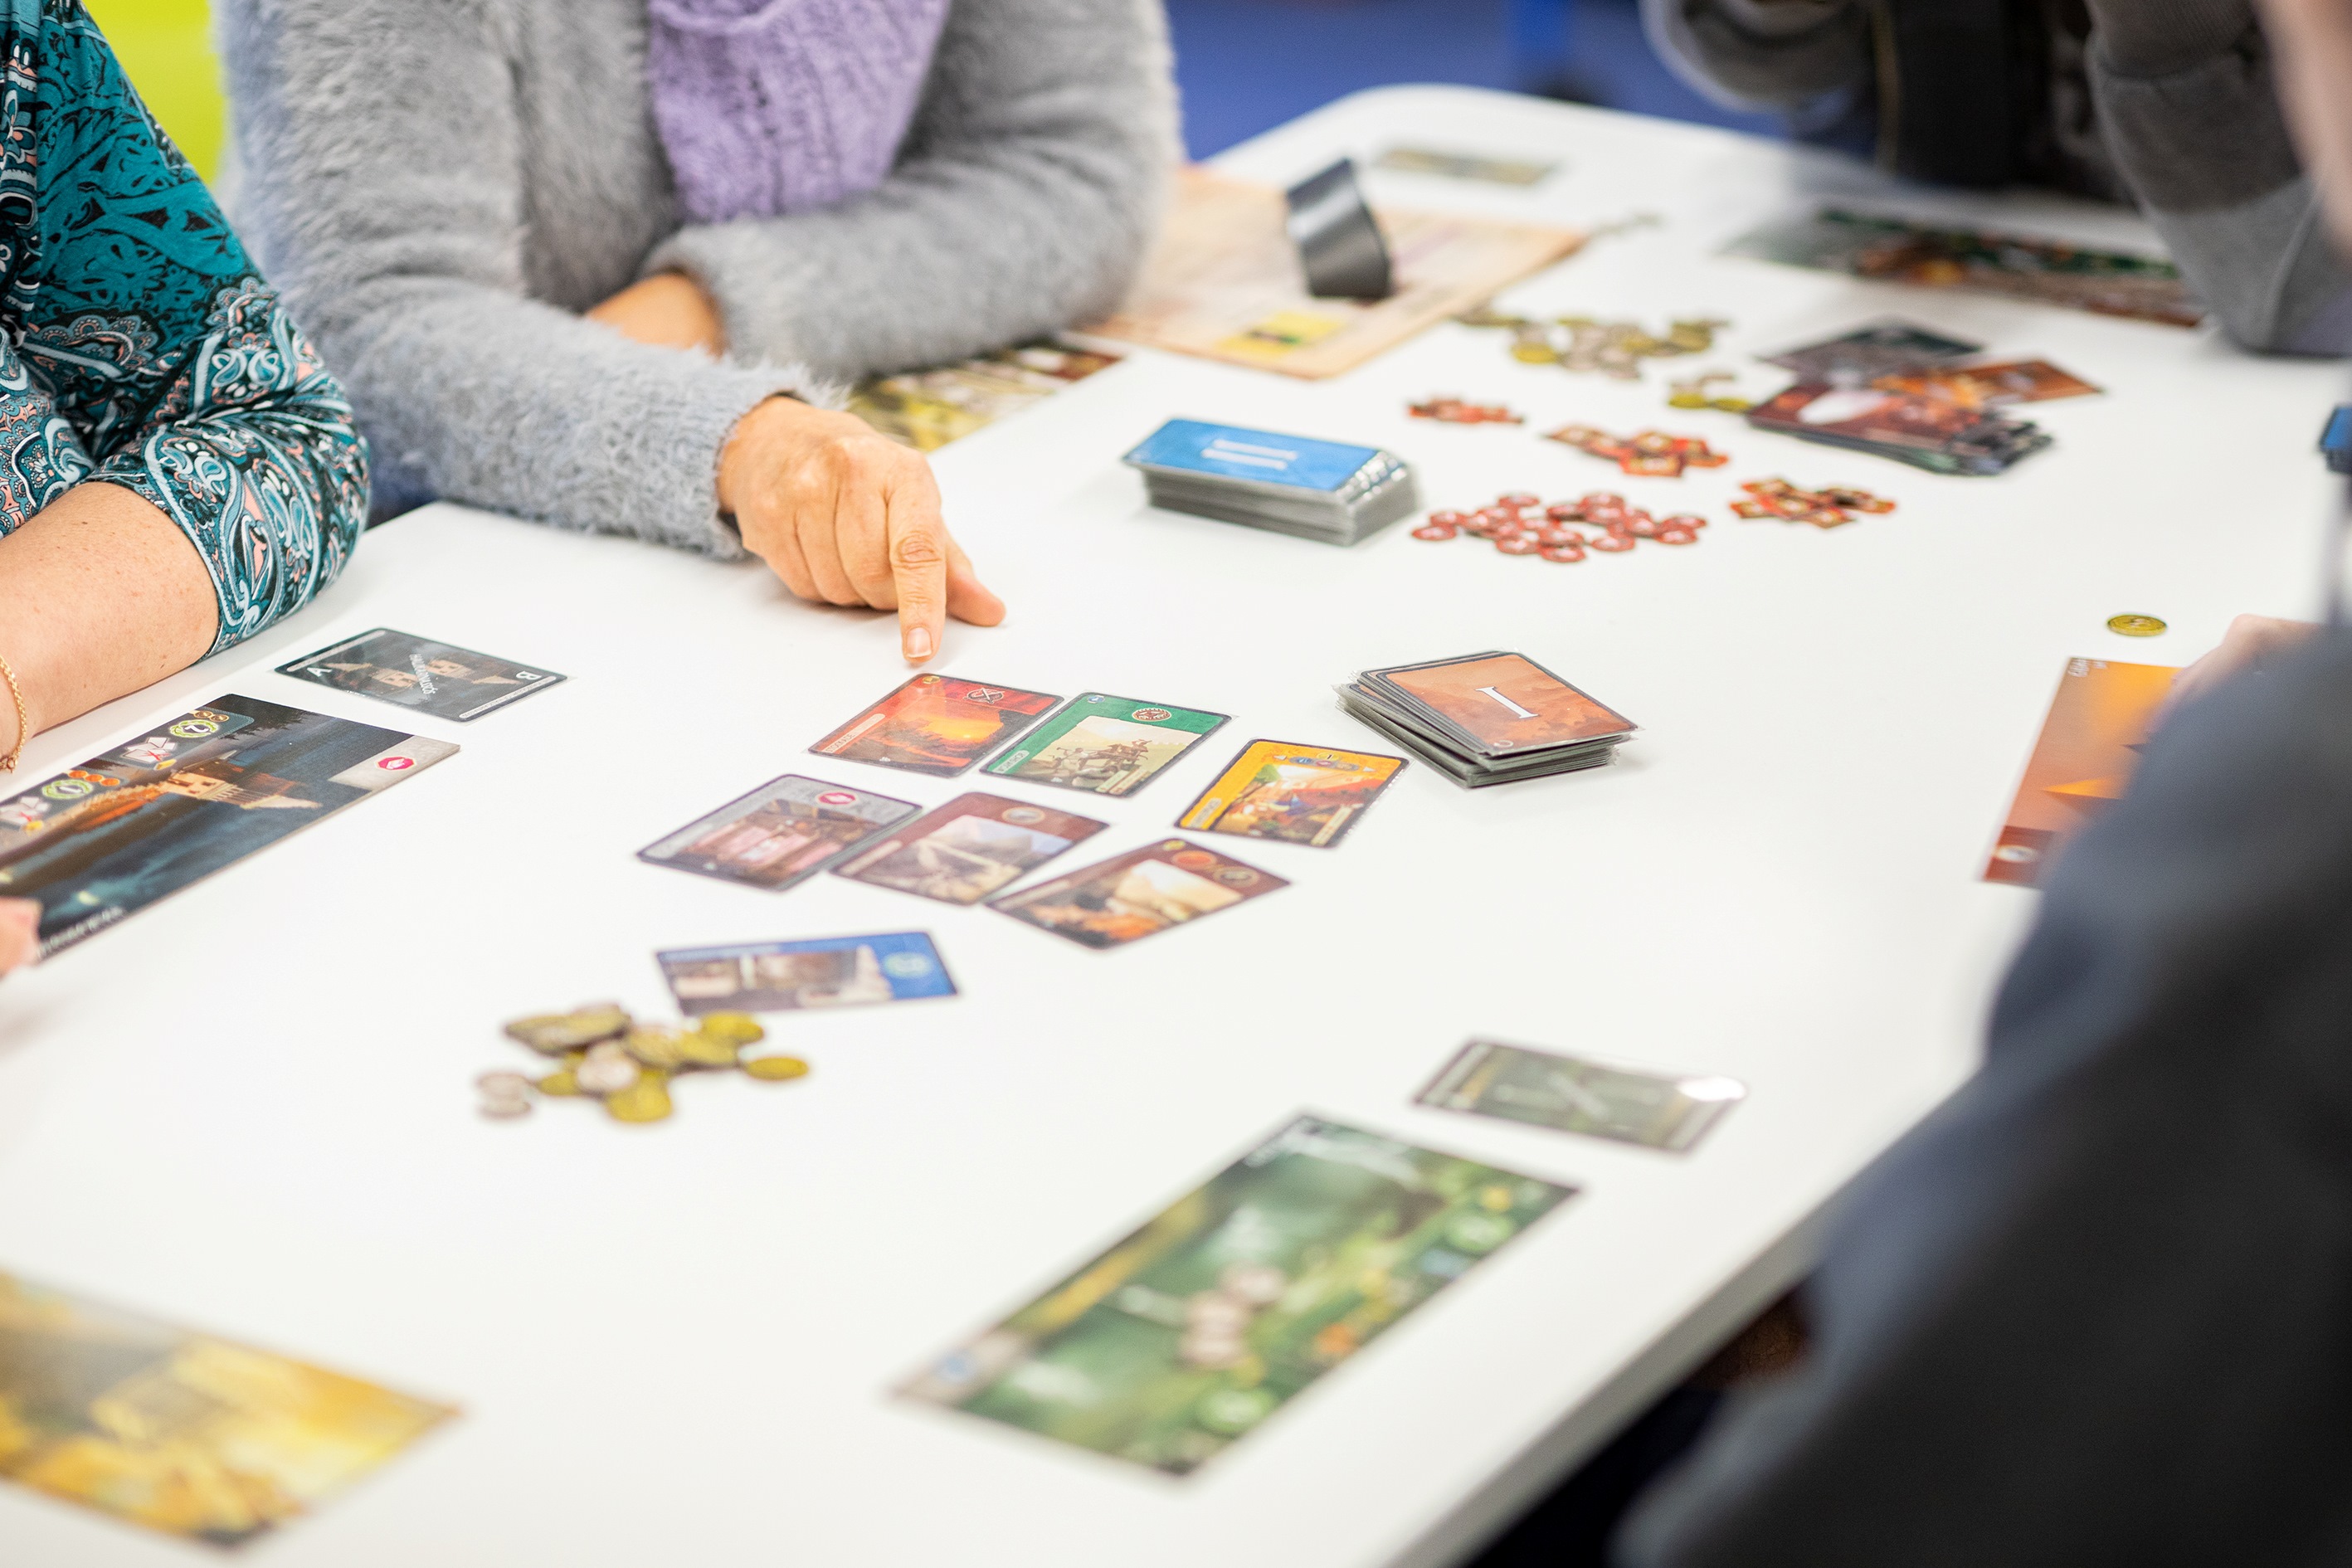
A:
x: 769, y: 107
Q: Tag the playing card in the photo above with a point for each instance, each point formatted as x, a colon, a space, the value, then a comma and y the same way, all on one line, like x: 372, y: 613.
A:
x: 436, y: 677
x: 1930, y: 433
x: 1990, y: 385
x: 1301, y: 794
x: 2088, y: 748
x: 1185, y: 1335
x: 1464, y: 167
x: 1137, y: 894
x: 974, y: 846
x: 1878, y: 349
x: 1105, y: 744
x: 166, y: 1428
x: 936, y: 725
x: 1489, y: 1078
x: 824, y: 971
x: 782, y: 833
x: 1499, y: 703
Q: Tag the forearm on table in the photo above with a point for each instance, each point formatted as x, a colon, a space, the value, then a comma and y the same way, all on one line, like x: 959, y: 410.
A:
x: 100, y: 596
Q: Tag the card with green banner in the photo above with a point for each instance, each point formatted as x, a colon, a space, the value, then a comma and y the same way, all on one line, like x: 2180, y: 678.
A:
x: 1105, y: 744
x: 1183, y: 1337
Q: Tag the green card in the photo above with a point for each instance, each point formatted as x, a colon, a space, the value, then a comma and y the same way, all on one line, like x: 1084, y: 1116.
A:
x: 1105, y: 744
x: 1179, y: 1339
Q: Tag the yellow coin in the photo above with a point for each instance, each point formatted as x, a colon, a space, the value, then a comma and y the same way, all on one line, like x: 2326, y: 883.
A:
x: 559, y: 1084
x: 739, y: 1027
x: 647, y: 1099
x: 776, y: 1069
x: 1686, y: 400
x: 702, y: 1049
x: 2136, y: 625
x: 657, y: 1047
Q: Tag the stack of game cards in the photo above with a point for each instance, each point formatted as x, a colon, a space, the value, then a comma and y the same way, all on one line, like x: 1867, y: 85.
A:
x: 1487, y: 718
x: 1315, y: 489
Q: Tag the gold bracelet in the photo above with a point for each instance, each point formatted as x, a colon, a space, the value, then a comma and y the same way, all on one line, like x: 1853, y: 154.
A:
x: 8, y: 762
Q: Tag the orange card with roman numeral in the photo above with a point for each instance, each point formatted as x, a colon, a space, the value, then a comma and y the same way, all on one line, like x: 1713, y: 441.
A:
x: 1500, y: 703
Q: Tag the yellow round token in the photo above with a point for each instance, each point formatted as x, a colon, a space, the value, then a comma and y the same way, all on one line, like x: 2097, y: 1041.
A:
x: 706, y: 1048
x: 647, y: 1099
x: 739, y: 1027
x: 2136, y: 625
x: 776, y: 1069
x: 656, y: 1046
x: 559, y: 1084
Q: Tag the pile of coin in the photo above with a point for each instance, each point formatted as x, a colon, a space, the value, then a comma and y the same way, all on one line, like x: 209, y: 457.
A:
x: 1698, y: 392
x: 1653, y: 454
x: 1586, y: 343
x: 1520, y: 524
x: 1458, y: 411
x: 1824, y: 507
x: 605, y: 1055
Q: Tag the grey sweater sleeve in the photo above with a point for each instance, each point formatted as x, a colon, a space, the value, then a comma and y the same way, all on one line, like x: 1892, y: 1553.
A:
x: 383, y: 184
x: 1022, y: 201
x: 1762, y: 54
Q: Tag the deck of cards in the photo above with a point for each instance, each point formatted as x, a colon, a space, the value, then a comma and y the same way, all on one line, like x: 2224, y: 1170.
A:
x: 1322, y: 490
x: 1487, y: 718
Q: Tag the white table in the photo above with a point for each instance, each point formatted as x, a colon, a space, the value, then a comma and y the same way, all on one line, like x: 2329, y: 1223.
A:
x: 250, y: 1109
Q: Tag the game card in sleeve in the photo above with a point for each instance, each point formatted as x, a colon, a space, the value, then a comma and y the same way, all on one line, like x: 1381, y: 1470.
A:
x: 973, y: 846
x: 781, y: 834
x: 1105, y: 744
x: 937, y: 724
x: 1300, y: 795
x: 1500, y: 703
x: 1570, y: 1095
x: 436, y: 677
x: 2089, y: 746
x: 823, y: 972
x: 1139, y: 894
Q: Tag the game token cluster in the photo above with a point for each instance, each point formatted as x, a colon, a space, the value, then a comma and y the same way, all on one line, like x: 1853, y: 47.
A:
x: 1650, y: 454
x: 606, y: 1055
x: 1460, y: 411
x: 1698, y: 392
x: 1824, y: 507
x: 1520, y: 523
x: 1614, y: 349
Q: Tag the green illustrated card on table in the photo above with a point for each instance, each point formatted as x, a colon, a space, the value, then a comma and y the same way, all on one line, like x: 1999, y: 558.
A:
x: 1181, y: 1338
x: 1109, y: 745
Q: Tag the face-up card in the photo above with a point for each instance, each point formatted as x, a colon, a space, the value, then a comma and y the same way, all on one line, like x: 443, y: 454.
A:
x: 436, y: 677
x: 166, y: 1428
x: 1300, y: 795
x: 825, y: 972
x: 1464, y: 166
x: 1931, y: 433
x: 782, y: 833
x: 972, y: 848
x: 1990, y: 385
x: 1488, y: 1078
x: 1880, y: 349
x: 2089, y: 746
x: 1184, y: 1336
x: 1139, y: 894
x: 1502, y: 703
x: 936, y: 725
x: 1105, y: 744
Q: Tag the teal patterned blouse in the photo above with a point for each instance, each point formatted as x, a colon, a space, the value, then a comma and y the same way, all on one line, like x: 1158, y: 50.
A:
x: 143, y: 349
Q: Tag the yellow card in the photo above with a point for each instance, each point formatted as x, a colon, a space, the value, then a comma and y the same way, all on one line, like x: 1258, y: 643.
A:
x: 1302, y: 795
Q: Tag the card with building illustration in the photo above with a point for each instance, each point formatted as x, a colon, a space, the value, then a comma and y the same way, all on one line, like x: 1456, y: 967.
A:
x: 436, y: 677
x: 1105, y: 744
x: 973, y: 846
x: 99, y: 843
x: 821, y: 972
x: 937, y: 724
x: 1141, y: 893
x: 781, y: 834
x: 1300, y: 795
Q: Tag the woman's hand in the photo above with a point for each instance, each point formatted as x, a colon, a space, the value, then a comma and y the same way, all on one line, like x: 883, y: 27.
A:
x: 2252, y: 643
x: 849, y: 517
x: 20, y: 923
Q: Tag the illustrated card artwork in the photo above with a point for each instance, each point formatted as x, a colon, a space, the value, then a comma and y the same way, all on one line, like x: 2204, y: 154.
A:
x: 824, y: 971
x: 968, y: 849
x: 1990, y: 385
x: 436, y: 677
x: 1139, y: 894
x: 2089, y: 746
x: 100, y: 842
x: 782, y: 833
x: 1300, y: 795
x: 194, y: 1436
x: 937, y: 724
x: 1105, y: 744
x: 1187, y: 1334
x: 1504, y: 702
x: 1661, y: 1112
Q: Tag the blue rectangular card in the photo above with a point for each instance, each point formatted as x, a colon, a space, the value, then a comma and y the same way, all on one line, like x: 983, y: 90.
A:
x: 823, y: 972
x: 1262, y: 456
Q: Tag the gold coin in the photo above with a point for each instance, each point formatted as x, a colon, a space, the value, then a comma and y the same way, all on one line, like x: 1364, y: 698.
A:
x: 1686, y: 400
x: 559, y: 1084
x: 2136, y: 625
x: 703, y: 1049
x: 1535, y: 353
x: 647, y: 1099
x: 740, y: 1027
x: 656, y: 1045
x: 776, y: 1069
x: 553, y: 1034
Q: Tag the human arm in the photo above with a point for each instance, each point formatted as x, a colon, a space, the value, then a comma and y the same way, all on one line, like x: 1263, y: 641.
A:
x: 20, y: 928
x: 1781, y: 55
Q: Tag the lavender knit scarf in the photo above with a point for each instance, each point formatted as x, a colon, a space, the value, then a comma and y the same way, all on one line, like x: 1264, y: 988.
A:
x: 769, y: 107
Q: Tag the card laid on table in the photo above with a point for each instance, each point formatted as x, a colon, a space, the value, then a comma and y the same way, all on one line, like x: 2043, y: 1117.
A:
x: 1105, y: 744
x: 1300, y: 795
x: 436, y: 677
x: 973, y: 846
x: 824, y: 971
x: 782, y: 833
x: 937, y: 724
x: 1489, y: 1078
x: 1137, y: 894
x: 2081, y: 763
x: 1498, y: 703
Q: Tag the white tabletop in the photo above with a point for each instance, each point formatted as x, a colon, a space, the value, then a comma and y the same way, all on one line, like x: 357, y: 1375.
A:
x: 249, y: 1109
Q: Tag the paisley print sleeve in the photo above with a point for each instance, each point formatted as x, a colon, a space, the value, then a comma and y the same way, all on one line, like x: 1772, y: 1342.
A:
x: 154, y: 356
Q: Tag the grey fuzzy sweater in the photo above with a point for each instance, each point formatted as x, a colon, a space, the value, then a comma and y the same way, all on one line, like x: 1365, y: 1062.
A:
x: 440, y: 187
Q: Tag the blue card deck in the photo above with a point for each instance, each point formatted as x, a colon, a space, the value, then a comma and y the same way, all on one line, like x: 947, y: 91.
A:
x: 1324, y: 490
